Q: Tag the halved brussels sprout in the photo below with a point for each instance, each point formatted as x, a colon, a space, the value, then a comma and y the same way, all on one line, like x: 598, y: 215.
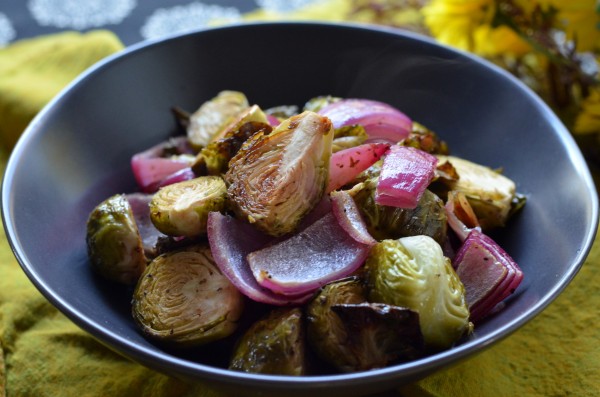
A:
x: 214, y: 158
x: 273, y: 345
x: 181, y: 209
x: 113, y: 241
x: 412, y: 272
x: 490, y: 193
x: 214, y: 115
x: 183, y: 298
x: 275, y: 179
x: 386, y: 222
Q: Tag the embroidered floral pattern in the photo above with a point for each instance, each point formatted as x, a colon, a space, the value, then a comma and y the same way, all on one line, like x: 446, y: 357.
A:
x: 79, y: 14
x: 185, y: 18
x: 283, y: 5
x: 7, y: 31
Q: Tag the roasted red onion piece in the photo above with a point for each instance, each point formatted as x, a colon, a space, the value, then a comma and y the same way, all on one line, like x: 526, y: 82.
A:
x: 149, y: 234
x: 348, y: 215
x: 346, y: 164
x: 160, y: 161
x: 321, y: 253
x: 461, y: 217
x: 381, y: 121
x: 405, y: 174
x: 488, y: 273
x: 184, y: 174
x: 230, y: 241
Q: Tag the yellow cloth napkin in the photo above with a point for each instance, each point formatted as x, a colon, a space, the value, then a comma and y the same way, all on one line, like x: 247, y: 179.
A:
x: 43, y: 354
x: 33, y: 71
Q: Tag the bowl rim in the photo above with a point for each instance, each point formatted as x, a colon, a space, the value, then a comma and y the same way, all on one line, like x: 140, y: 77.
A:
x: 165, y: 362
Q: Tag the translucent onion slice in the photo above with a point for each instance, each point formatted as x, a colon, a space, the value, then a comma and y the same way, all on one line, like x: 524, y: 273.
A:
x: 321, y: 253
x: 405, y: 174
x: 155, y: 164
x: 346, y: 164
x: 348, y: 215
x: 381, y: 121
x: 184, y: 174
x: 150, y: 235
x: 230, y: 241
x: 461, y: 217
x: 488, y: 273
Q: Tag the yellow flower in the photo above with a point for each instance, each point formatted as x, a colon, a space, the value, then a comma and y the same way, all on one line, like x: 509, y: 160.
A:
x: 588, y: 120
x: 580, y: 19
x: 466, y: 24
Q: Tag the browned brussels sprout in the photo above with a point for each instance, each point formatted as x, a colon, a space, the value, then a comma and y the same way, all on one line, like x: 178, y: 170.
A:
x: 491, y: 195
x: 182, y: 298
x: 275, y: 179
x: 412, y: 272
x: 181, y: 209
x: 424, y: 139
x: 385, y: 222
x: 273, y: 345
x: 113, y: 241
x: 213, y: 116
x: 379, y: 334
x: 214, y: 158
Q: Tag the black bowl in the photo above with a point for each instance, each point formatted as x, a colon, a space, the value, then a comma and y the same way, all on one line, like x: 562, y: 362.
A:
x: 76, y: 153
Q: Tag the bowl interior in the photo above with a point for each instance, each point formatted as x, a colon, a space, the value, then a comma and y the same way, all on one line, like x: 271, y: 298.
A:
x: 76, y: 153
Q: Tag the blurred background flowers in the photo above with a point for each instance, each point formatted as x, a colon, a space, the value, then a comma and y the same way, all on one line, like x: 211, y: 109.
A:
x: 553, y: 46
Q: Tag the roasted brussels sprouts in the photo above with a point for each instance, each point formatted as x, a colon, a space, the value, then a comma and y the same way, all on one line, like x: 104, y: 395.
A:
x: 353, y: 335
x: 490, y: 193
x: 424, y: 139
x: 349, y: 136
x: 326, y: 333
x: 317, y: 103
x: 214, y: 158
x: 275, y: 179
x: 113, y: 241
x: 282, y: 112
x: 412, y: 272
x: 181, y: 209
x: 386, y: 222
x: 213, y: 116
x: 273, y: 345
x: 380, y: 334
x: 182, y: 298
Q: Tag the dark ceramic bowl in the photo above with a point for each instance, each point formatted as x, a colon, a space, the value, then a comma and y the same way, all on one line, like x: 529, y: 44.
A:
x: 76, y: 153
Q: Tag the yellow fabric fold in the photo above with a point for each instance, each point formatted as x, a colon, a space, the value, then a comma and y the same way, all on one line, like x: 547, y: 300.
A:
x: 33, y: 71
x: 42, y: 353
